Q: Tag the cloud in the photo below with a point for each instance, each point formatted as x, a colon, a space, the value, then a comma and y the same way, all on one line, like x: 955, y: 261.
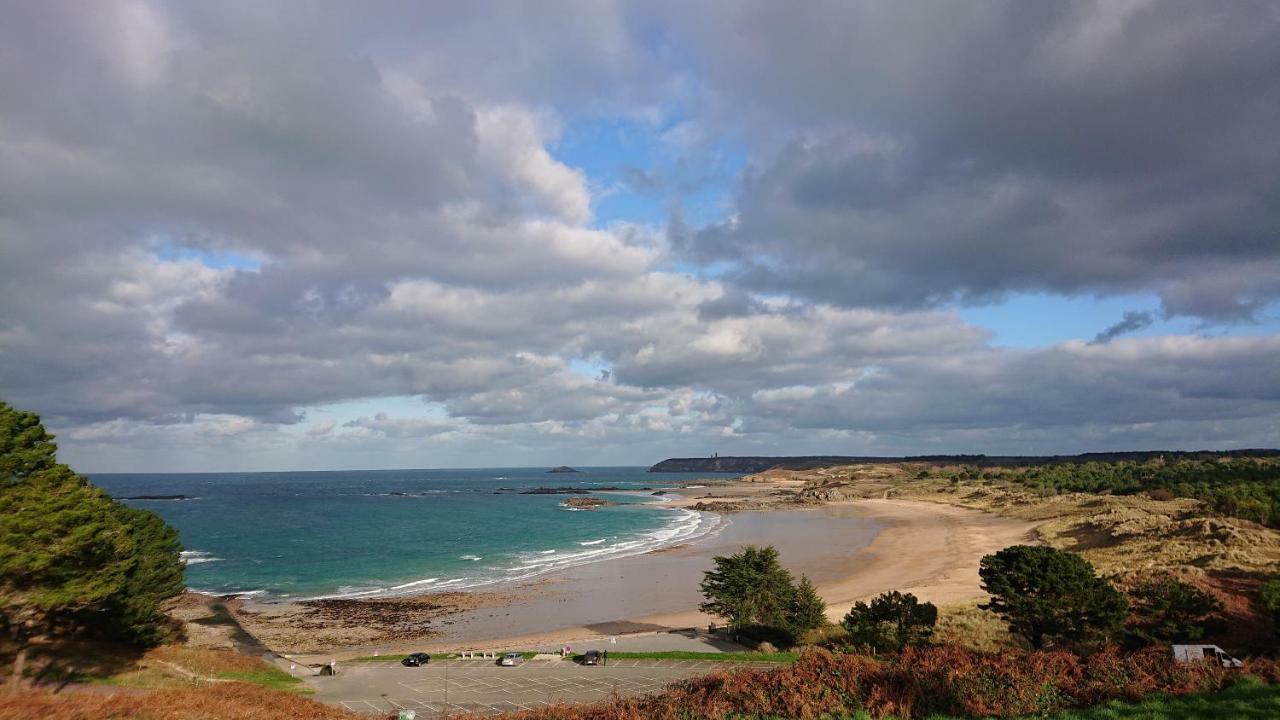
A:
x: 924, y: 155
x: 1132, y: 321
x: 392, y: 174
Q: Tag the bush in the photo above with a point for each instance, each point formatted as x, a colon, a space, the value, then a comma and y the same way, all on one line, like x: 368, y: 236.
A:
x: 1269, y: 599
x: 1051, y: 596
x: 915, y: 684
x: 892, y: 621
x: 1166, y: 609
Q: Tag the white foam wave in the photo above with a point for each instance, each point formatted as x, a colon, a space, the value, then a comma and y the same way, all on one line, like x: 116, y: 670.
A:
x: 195, y: 557
x: 472, y: 558
x: 685, y: 526
x: 415, y: 583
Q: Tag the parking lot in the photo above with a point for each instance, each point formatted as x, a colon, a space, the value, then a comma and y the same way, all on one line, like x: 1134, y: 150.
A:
x: 479, y: 686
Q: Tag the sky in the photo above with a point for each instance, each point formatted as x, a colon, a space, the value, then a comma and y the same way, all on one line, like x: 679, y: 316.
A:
x: 298, y: 235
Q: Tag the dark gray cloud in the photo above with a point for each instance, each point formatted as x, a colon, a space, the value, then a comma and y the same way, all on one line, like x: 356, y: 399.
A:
x: 939, y: 152
x: 1133, y: 321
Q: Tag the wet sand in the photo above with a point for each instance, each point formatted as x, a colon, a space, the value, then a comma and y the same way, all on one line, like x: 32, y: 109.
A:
x: 851, y: 550
x: 601, y: 595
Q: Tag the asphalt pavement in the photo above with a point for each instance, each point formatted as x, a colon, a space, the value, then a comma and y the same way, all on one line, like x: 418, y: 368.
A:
x: 480, y: 686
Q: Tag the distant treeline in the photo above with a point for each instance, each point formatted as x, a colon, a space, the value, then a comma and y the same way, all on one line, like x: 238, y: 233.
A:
x: 1243, y: 487
x: 754, y: 464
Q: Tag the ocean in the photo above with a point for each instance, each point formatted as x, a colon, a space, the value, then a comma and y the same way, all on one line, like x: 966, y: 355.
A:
x: 374, y: 533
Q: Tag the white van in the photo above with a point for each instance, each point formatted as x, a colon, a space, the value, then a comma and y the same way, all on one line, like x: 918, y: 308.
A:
x: 1205, y: 653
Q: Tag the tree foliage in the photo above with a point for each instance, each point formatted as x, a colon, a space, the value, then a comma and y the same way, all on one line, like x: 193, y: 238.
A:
x: 892, y: 621
x: 1168, y: 610
x: 748, y: 588
x: 72, y: 560
x: 1051, y: 596
x: 808, y: 610
x: 1269, y: 599
x: 1247, y: 488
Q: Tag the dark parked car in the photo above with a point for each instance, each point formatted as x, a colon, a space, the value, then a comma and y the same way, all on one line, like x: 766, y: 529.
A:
x: 416, y: 660
x: 591, y: 657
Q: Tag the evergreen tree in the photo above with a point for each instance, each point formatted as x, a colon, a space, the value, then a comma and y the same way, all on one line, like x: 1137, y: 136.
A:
x: 1048, y: 595
x: 808, y: 609
x: 72, y: 560
x: 749, y: 588
x: 892, y: 621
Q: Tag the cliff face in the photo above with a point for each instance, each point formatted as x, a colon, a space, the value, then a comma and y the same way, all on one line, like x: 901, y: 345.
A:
x: 748, y: 465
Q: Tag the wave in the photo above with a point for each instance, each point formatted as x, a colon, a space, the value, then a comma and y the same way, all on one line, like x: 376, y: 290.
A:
x: 418, y: 493
x: 685, y: 526
x: 195, y: 557
x: 472, y: 558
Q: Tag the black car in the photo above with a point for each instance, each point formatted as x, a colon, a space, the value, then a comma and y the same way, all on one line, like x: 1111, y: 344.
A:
x: 591, y: 657
x: 416, y: 660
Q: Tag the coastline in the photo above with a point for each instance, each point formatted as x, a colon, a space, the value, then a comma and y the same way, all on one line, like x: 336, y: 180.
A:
x: 852, y: 549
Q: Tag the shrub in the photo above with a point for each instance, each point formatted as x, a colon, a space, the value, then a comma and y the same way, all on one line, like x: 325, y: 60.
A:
x: 1166, y: 609
x: 1269, y: 599
x: 892, y: 621
x: 917, y: 683
x: 1051, y: 596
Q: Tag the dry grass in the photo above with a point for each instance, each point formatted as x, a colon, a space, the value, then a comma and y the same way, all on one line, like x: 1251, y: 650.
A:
x: 225, y: 701
x: 1123, y: 536
x: 916, y: 684
x: 970, y: 626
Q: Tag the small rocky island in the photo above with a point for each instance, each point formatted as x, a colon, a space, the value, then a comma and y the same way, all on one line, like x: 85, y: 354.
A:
x: 586, y: 503
x: 561, y: 469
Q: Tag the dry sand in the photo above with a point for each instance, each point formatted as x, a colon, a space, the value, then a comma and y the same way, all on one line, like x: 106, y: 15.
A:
x: 853, y: 550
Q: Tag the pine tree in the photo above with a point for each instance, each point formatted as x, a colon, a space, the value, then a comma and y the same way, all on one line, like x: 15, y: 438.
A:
x: 1051, y: 596
x: 808, y: 609
x: 749, y: 588
x: 72, y: 560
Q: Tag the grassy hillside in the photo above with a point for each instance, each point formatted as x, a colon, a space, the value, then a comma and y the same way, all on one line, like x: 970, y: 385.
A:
x: 226, y: 701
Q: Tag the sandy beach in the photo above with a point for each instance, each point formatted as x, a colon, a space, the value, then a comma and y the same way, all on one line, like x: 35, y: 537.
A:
x: 852, y: 550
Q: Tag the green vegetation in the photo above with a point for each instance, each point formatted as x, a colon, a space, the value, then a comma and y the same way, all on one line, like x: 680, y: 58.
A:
x: 1248, y: 699
x: 1247, y: 488
x: 1269, y: 598
x: 808, y: 610
x: 73, y: 562
x: 760, y: 599
x: 892, y: 621
x: 383, y: 658
x: 1050, y: 596
x: 269, y: 677
x: 749, y: 588
x: 1168, y: 610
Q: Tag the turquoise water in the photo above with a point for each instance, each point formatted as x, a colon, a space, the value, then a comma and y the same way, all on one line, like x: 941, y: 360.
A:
x: 388, y: 532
